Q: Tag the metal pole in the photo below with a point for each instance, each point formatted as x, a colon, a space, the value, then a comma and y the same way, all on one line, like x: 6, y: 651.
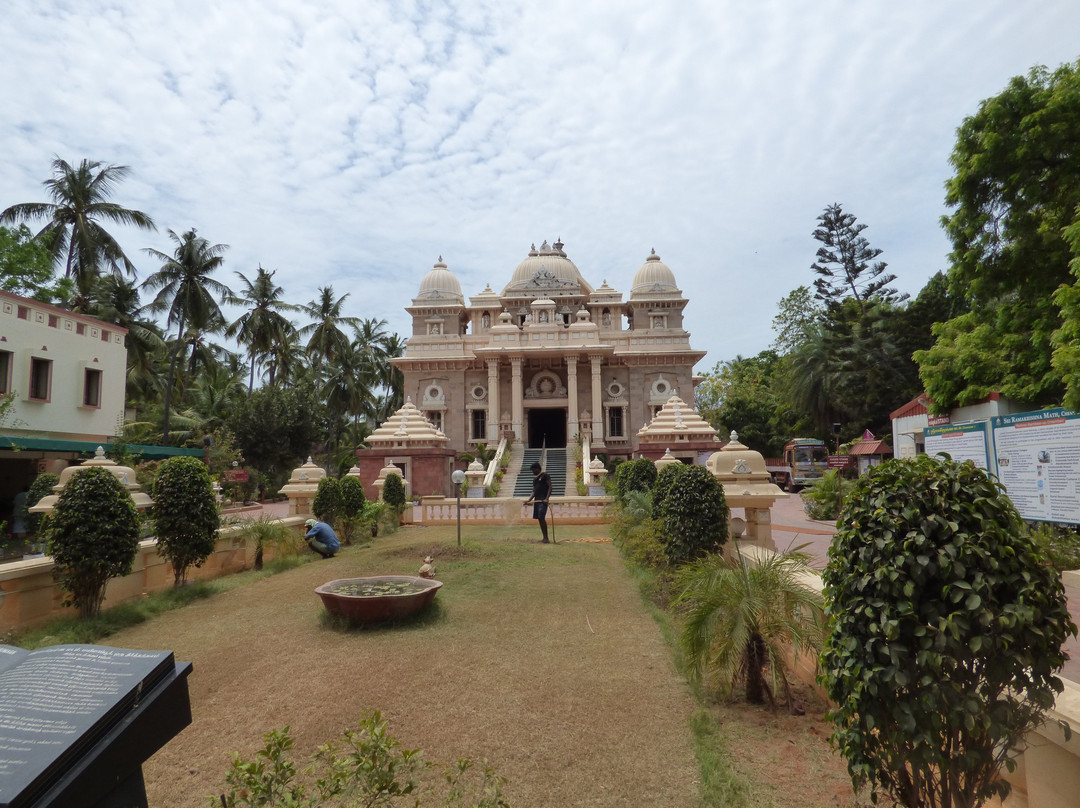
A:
x: 458, y: 486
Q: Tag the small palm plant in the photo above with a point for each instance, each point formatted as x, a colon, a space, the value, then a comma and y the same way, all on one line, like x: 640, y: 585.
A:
x: 742, y: 616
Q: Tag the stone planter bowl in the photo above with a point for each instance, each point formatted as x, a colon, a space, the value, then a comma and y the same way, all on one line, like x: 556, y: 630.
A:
x: 377, y: 608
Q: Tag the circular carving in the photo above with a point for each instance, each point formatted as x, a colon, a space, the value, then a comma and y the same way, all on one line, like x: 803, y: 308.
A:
x: 615, y: 389
x: 433, y: 393
x: 479, y: 392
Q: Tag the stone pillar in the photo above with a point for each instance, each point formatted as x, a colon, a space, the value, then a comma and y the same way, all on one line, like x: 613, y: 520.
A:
x: 597, y: 403
x: 572, y: 391
x: 516, y: 402
x: 759, y: 527
x: 493, y: 402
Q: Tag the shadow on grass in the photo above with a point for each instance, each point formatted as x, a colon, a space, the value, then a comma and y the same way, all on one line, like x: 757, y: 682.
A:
x: 434, y: 613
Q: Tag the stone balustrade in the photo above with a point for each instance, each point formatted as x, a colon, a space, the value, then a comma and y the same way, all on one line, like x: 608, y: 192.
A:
x: 510, y: 511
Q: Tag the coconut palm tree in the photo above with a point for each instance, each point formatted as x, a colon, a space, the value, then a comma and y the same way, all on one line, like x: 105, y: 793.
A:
x: 73, y: 233
x: 187, y: 292
x: 742, y: 616
x: 263, y: 325
x: 325, y: 338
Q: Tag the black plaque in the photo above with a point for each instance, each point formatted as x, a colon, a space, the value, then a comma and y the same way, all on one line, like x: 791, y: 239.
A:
x: 60, y: 705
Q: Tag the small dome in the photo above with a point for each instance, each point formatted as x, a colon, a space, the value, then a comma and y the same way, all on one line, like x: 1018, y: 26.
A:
x: 654, y: 276
x: 550, y: 268
x: 440, y: 284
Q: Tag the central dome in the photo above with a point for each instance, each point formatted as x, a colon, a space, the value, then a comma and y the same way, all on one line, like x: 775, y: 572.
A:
x: 547, y: 268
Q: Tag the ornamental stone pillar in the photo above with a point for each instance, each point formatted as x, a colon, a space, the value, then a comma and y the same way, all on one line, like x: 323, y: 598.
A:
x: 572, y: 392
x: 597, y: 402
x: 518, y: 412
x: 493, y: 402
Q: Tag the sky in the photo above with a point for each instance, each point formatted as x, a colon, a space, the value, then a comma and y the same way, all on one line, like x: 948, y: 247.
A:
x: 352, y: 143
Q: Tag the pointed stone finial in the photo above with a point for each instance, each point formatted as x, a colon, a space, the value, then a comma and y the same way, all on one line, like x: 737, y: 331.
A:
x: 734, y: 436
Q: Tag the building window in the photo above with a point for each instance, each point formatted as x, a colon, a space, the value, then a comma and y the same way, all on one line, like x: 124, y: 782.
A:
x: 5, y: 372
x: 80, y: 328
x: 479, y: 425
x: 40, y: 378
x: 54, y: 321
x: 24, y: 313
x: 105, y: 335
x: 435, y: 416
x: 92, y: 388
x: 615, y: 422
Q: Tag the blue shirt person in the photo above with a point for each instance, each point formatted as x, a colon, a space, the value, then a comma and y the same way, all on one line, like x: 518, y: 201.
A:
x: 324, y: 540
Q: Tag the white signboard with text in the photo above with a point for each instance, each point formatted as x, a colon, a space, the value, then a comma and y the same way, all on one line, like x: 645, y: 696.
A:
x: 1037, y: 458
x: 959, y: 441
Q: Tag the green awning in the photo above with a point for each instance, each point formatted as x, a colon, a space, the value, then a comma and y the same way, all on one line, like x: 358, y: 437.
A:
x: 89, y: 447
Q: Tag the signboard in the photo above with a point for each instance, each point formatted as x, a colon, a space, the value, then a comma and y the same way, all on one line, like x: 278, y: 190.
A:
x: 236, y: 475
x: 960, y: 441
x: 1038, y: 462
x: 840, y: 461
x: 939, y: 420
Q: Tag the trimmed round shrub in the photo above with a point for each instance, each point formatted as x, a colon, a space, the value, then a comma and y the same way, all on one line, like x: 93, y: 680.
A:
x: 185, y: 514
x: 945, y: 632
x: 635, y: 475
x: 352, y: 497
x: 327, y: 503
x: 41, y: 487
x: 93, y: 535
x: 694, y: 515
x: 664, y: 479
x: 394, y: 492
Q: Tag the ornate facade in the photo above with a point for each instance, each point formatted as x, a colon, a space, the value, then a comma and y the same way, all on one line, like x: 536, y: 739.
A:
x: 550, y: 356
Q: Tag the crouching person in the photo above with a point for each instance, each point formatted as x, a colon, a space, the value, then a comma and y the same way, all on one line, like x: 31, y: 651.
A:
x: 322, y: 538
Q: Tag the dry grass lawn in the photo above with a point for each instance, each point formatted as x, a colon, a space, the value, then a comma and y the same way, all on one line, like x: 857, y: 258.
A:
x: 540, y: 658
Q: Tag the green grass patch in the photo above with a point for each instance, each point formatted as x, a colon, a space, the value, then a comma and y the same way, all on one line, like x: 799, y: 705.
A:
x: 721, y: 787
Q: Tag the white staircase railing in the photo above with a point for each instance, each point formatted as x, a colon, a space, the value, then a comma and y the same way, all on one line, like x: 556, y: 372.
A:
x: 495, y: 463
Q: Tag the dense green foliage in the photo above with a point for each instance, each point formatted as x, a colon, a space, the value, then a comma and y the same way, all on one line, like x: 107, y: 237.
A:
x: 42, y: 486
x: 822, y: 497
x: 275, y: 429
x: 352, y: 508
x: 93, y: 535
x: 185, y: 514
x: 845, y: 263
x: 327, y: 505
x: 635, y: 475
x: 694, y: 516
x: 26, y: 266
x: 944, y: 632
x: 394, y: 492
x: 1066, y: 340
x: 1015, y: 190
x: 742, y: 616
x: 664, y: 479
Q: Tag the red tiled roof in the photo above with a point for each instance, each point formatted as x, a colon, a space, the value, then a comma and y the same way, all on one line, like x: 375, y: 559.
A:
x: 871, y: 447
x: 917, y: 406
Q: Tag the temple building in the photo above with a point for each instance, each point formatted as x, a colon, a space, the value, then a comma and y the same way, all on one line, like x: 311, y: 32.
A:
x: 549, y: 356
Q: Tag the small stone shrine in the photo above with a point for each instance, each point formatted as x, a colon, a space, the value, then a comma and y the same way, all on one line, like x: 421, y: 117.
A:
x: 748, y: 485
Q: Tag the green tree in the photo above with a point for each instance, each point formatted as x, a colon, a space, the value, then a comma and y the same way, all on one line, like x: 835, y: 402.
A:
x: 1066, y: 340
x: 845, y: 262
x: 635, y: 475
x: 26, y: 266
x: 1015, y: 190
x: 325, y: 338
x: 945, y: 633
x: 93, y: 535
x: 744, y: 615
x: 394, y: 492
x: 327, y: 503
x: 263, y: 325
x: 186, y: 518
x: 275, y: 429
x: 694, y: 515
x: 746, y: 395
x: 73, y: 234
x: 188, y: 295
x: 352, y: 507
x: 799, y: 311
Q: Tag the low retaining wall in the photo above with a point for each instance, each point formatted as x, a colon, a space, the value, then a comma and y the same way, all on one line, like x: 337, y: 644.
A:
x: 29, y: 595
x: 508, y: 511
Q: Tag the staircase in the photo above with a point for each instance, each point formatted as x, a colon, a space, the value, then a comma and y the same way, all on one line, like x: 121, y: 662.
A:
x: 556, y: 469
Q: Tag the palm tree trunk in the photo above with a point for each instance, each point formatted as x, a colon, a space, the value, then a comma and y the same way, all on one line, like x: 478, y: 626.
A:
x: 169, y: 383
x: 755, y: 682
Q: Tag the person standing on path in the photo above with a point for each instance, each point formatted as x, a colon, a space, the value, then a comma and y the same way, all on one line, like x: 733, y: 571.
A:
x: 540, y: 496
x: 323, y: 539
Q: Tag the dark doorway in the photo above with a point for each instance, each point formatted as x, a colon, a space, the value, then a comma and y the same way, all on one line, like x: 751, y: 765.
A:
x: 547, y: 427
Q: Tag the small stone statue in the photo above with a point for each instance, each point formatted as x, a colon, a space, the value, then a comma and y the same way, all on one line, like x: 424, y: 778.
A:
x: 427, y: 570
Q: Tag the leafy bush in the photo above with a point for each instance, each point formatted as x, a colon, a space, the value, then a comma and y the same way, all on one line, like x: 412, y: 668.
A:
x: 664, y: 479
x: 945, y: 632
x: 93, y: 535
x: 41, y: 487
x: 327, y: 504
x: 185, y: 513
x: 1058, y: 544
x: 352, y: 508
x: 821, y: 498
x: 394, y: 492
x: 368, y: 767
x: 694, y: 515
x: 635, y: 475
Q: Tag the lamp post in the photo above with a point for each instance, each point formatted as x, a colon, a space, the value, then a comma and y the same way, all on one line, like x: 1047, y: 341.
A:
x: 839, y: 474
x: 457, y: 478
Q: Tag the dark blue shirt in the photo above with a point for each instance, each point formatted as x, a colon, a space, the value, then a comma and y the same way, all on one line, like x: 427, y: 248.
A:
x: 320, y: 531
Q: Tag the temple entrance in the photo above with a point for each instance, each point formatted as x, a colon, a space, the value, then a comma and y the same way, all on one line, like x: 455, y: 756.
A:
x: 547, y: 427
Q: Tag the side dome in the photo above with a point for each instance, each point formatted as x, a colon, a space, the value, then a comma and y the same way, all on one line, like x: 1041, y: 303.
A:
x: 547, y: 268
x: 654, y: 276
x: 441, y: 285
